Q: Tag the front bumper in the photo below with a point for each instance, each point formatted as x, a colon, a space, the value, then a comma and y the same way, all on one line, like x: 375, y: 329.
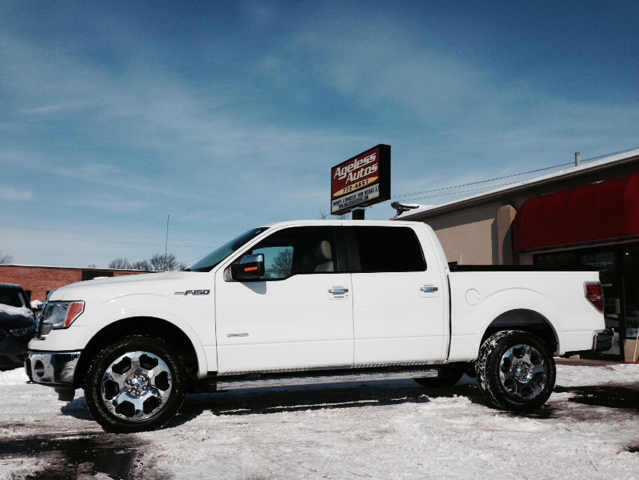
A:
x: 56, y: 369
x: 13, y: 350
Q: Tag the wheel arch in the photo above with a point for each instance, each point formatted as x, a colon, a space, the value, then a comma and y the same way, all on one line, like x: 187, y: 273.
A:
x: 527, y: 320
x: 146, y: 326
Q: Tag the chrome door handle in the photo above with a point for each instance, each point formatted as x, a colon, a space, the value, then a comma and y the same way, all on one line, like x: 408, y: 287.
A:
x: 429, y: 289
x: 338, y: 291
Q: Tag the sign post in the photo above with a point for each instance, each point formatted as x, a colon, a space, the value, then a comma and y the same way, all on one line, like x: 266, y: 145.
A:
x: 361, y: 181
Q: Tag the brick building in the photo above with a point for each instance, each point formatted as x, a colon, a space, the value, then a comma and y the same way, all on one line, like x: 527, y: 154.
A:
x: 38, y: 281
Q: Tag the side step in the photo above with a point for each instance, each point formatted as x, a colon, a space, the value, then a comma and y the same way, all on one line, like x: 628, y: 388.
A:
x: 320, y: 377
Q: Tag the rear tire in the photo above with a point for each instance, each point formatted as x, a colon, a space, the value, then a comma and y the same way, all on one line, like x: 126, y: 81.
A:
x: 135, y: 384
x: 515, y: 371
x: 448, y: 377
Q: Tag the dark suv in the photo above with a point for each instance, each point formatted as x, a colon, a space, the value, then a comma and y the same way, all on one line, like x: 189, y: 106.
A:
x: 17, y: 325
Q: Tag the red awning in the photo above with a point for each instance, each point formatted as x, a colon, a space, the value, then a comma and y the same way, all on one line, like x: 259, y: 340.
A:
x: 605, y: 210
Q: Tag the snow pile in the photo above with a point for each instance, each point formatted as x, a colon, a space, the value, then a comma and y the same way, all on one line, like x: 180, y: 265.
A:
x: 14, y: 377
x: 17, y: 311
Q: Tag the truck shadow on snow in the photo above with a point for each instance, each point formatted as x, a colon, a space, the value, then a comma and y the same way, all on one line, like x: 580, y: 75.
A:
x: 371, y: 394
x: 610, y: 396
x: 251, y: 401
x: 617, y: 397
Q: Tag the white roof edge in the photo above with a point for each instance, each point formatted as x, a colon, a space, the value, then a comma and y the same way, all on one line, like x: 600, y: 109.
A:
x: 331, y: 222
x: 590, y: 165
x: 72, y: 268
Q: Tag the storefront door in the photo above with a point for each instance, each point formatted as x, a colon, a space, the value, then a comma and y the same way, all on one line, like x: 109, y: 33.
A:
x: 631, y: 301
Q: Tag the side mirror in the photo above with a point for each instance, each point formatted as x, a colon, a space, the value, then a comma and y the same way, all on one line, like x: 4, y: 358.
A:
x: 251, y: 267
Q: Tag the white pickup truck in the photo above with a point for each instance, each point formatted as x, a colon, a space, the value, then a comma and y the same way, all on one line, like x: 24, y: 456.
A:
x: 319, y: 301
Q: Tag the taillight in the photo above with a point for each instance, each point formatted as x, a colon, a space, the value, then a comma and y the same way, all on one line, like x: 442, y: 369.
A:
x: 594, y: 294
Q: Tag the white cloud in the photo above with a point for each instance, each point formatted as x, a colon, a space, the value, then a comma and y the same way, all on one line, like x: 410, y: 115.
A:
x: 13, y: 195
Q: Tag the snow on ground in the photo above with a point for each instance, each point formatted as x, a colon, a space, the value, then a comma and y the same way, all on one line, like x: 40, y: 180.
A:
x: 385, y: 430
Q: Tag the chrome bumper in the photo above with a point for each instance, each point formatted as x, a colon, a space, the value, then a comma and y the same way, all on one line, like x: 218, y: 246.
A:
x: 56, y: 369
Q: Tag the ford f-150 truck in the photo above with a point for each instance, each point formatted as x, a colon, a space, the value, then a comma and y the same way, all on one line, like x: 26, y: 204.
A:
x: 313, y: 301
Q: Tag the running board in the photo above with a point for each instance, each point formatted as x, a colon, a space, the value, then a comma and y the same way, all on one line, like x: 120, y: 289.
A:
x: 319, y: 377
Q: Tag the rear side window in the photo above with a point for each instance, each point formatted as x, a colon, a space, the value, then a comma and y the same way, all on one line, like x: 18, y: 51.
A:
x: 389, y: 249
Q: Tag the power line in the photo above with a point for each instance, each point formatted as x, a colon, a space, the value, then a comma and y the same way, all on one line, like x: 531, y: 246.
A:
x: 510, y: 176
x: 482, y: 181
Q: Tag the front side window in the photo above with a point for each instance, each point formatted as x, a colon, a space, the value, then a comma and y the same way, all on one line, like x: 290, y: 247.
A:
x: 297, y: 250
x: 389, y: 249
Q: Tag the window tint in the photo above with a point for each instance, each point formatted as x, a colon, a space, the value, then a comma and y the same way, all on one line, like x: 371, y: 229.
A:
x: 389, y: 249
x: 298, y: 250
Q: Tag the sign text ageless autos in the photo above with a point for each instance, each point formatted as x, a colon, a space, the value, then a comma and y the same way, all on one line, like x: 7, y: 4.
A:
x: 361, y: 180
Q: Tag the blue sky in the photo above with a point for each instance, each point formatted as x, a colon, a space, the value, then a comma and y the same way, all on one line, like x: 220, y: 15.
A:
x: 226, y: 115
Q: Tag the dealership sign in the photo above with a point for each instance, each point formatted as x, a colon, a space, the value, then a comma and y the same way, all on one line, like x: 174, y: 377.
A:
x: 361, y: 181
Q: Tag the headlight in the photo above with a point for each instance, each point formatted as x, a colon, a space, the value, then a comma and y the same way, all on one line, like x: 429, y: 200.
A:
x: 60, y: 315
x: 19, y: 332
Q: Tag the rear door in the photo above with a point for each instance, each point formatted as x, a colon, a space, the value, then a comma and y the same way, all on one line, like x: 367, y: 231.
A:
x: 297, y: 316
x: 398, y: 298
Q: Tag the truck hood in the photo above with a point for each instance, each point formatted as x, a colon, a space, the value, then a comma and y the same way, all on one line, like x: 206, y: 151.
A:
x: 168, y: 284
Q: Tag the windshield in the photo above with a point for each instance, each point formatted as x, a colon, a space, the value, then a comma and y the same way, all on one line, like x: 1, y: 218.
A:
x: 212, y: 259
x: 13, y: 298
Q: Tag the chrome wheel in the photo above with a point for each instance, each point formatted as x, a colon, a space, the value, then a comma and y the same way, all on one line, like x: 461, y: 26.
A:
x: 523, y: 372
x: 136, y: 386
x: 515, y: 370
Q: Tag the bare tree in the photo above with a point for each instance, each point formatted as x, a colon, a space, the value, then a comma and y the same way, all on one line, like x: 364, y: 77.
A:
x: 143, y: 265
x: 157, y: 263
x: 282, y: 264
x: 164, y: 262
x: 120, y: 264
x: 5, y: 259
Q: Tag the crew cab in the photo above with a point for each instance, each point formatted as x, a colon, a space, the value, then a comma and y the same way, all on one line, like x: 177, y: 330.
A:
x: 313, y: 301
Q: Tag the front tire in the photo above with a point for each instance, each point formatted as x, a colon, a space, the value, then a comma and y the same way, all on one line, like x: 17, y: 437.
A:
x: 515, y: 371
x: 135, y: 384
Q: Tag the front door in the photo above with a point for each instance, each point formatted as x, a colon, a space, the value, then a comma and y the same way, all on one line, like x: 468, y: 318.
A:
x: 298, y: 315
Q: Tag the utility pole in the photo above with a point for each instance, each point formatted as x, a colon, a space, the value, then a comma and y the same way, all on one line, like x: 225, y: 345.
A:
x: 166, y: 243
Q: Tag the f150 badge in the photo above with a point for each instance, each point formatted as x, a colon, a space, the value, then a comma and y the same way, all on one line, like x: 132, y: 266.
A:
x: 193, y: 292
